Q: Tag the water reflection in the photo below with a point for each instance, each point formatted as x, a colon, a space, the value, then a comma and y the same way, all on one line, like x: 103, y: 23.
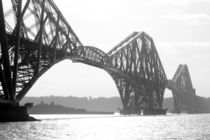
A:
x: 109, y: 127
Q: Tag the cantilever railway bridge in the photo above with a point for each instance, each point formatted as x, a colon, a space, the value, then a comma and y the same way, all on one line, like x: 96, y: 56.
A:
x: 34, y: 36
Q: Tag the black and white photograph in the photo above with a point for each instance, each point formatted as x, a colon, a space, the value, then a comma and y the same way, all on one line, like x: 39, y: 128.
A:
x: 104, y: 69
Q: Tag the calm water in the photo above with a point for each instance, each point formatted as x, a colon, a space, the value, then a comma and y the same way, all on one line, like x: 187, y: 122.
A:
x: 109, y: 127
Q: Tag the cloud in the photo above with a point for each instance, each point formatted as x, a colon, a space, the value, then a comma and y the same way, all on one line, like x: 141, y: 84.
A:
x: 180, y: 3
x: 189, y: 18
x: 195, y: 49
x: 185, y: 44
x: 195, y: 54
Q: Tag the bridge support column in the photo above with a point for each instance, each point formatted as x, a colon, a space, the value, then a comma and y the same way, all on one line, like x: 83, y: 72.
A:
x: 176, y: 103
x: 6, y: 71
x: 10, y: 112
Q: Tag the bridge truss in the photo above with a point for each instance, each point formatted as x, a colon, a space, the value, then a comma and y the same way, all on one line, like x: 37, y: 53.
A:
x: 183, y: 91
x: 35, y: 36
x: 137, y: 57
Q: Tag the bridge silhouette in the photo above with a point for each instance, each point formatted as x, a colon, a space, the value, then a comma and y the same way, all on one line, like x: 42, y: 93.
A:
x: 34, y: 36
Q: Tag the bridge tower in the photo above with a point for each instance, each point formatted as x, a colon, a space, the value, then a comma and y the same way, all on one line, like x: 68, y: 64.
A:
x: 143, y: 79
x: 182, y: 90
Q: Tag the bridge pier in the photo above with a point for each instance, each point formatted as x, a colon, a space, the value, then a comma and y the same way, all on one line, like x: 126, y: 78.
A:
x: 145, y: 111
x: 10, y: 112
x: 157, y: 111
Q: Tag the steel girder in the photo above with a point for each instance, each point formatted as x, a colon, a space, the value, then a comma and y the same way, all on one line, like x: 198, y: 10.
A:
x: 182, y: 89
x: 137, y: 57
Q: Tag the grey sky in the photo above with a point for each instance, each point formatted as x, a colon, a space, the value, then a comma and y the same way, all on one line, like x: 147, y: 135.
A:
x: 180, y: 29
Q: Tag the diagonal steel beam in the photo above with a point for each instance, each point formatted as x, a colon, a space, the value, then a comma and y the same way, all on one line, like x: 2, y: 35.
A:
x: 15, y: 70
x: 40, y: 38
x: 56, y: 39
x: 5, y: 55
x: 4, y: 86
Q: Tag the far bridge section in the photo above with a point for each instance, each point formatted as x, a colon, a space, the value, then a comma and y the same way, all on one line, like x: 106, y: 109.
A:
x: 183, y: 91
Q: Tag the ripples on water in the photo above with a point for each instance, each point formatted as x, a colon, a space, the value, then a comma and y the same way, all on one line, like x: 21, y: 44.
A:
x: 107, y: 127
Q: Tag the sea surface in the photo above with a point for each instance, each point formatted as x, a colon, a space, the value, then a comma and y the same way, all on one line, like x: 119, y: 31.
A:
x: 110, y: 127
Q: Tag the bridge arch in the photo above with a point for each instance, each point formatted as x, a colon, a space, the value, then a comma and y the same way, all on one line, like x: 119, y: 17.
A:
x: 88, y: 55
x: 76, y: 79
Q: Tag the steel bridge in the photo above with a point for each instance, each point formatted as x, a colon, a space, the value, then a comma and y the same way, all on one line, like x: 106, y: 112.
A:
x: 183, y: 91
x: 34, y: 36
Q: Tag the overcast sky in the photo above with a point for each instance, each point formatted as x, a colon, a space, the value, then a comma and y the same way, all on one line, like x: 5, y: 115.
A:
x: 180, y: 29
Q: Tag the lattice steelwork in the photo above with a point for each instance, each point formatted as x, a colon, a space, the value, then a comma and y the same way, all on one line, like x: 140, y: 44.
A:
x: 35, y: 36
x: 137, y: 58
x: 182, y: 89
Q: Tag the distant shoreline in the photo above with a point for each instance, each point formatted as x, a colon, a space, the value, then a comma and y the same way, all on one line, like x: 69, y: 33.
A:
x: 100, y: 105
x: 52, y: 108
x: 87, y: 113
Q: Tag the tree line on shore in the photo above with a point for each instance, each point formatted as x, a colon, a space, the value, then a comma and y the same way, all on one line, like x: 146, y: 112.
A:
x: 106, y: 104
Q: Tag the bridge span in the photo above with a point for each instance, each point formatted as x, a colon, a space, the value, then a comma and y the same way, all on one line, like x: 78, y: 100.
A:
x: 35, y: 36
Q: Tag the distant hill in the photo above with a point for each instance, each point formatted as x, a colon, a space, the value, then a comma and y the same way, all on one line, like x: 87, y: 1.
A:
x: 111, y: 104
x: 203, y: 105
x: 90, y: 104
x: 53, y: 108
